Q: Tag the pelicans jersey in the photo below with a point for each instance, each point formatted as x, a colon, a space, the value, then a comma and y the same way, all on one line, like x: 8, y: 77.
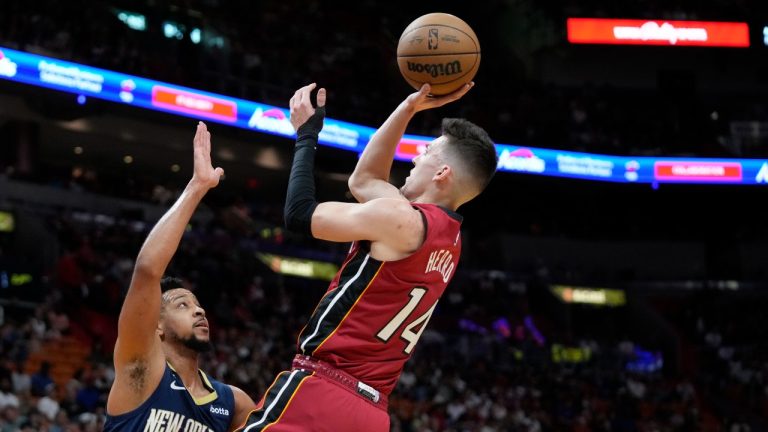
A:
x: 352, y: 351
x: 374, y: 312
x: 172, y: 408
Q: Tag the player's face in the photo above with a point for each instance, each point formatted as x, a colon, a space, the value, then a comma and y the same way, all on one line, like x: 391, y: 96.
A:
x: 425, y: 167
x: 183, y: 321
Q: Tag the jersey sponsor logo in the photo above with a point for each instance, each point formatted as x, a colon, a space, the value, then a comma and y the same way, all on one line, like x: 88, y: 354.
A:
x: 442, y: 262
x: 219, y: 410
x: 168, y: 421
x: 175, y: 386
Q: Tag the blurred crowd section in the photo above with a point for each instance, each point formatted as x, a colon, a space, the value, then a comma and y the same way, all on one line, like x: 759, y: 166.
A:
x: 502, y: 353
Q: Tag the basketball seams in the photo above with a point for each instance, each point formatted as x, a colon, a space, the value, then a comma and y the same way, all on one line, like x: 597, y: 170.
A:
x: 437, y: 55
x: 473, y: 39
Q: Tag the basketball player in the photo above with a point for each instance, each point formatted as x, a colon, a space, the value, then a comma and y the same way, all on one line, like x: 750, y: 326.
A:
x: 158, y: 386
x: 406, y: 245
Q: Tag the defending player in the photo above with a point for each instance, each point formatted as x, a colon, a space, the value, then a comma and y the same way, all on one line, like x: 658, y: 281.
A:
x: 158, y: 386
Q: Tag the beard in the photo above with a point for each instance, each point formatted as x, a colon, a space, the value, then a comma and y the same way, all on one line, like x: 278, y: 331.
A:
x: 193, y: 343
x: 197, y: 345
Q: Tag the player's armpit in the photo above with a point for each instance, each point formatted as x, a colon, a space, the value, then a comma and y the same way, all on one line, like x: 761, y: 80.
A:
x: 390, y: 221
x: 135, y: 378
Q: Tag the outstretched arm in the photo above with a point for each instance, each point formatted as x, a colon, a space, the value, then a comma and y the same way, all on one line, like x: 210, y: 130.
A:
x: 139, y: 359
x: 392, y: 223
x: 370, y: 179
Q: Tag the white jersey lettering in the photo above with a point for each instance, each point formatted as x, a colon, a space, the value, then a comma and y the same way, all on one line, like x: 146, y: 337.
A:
x: 442, y: 262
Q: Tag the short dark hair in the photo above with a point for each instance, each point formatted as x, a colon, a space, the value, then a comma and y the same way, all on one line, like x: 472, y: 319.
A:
x: 166, y: 284
x: 471, y: 144
x: 169, y: 282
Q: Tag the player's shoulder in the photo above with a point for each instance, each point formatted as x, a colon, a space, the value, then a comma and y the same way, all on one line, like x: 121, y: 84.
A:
x: 240, y: 396
x: 391, y: 202
x: 391, y: 209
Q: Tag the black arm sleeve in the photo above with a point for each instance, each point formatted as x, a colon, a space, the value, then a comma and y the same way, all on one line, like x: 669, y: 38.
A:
x: 300, y: 201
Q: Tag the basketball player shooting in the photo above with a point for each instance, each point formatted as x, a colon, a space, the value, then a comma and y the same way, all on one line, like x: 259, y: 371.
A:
x: 406, y: 246
x: 158, y: 386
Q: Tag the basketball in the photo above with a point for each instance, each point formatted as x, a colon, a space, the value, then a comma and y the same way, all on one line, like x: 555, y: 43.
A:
x: 439, y: 49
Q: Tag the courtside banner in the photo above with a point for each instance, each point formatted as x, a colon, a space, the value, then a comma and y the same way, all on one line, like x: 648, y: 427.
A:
x: 157, y: 96
x: 657, y: 32
x: 144, y: 93
x: 626, y: 169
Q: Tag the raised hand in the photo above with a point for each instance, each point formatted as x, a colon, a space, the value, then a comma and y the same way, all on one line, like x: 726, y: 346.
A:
x: 421, y: 100
x: 204, y: 172
x: 301, y: 105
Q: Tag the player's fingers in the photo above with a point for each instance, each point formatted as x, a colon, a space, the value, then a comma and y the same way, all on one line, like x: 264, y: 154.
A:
x: 321, y: 95
x: 206, y: 146
x: 296, y: 97
x: 424, y: 90
x: 198, y: 132
x: 450, y: 97
x: 304, y: 93
x: 463, y: 90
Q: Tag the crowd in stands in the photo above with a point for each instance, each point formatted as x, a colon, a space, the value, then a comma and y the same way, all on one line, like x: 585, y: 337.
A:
x: 352, y: 53
x: 497, y: 355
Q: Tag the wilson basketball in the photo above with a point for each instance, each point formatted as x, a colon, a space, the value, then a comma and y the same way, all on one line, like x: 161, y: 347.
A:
x: 439, y: 49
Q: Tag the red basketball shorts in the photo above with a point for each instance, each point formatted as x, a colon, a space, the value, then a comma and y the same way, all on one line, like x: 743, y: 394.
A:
x: 317, y: 398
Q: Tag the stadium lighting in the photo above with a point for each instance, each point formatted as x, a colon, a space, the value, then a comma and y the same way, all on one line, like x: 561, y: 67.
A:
x: 195, y: 36
x: 172, y: 30
x: 133, y: 20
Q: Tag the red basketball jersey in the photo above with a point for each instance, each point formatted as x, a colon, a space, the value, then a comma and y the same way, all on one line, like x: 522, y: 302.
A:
x: 374, y: 312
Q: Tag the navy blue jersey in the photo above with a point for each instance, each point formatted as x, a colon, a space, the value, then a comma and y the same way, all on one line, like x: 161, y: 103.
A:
x: 171, y: 408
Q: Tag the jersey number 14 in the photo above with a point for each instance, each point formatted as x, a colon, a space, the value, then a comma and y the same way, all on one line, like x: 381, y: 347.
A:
x: 408, y: 335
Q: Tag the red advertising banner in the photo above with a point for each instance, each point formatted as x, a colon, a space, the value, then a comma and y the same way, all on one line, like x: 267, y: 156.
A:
x: 698, y: 171
x: 657, y: 32
x: 193, y: 103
